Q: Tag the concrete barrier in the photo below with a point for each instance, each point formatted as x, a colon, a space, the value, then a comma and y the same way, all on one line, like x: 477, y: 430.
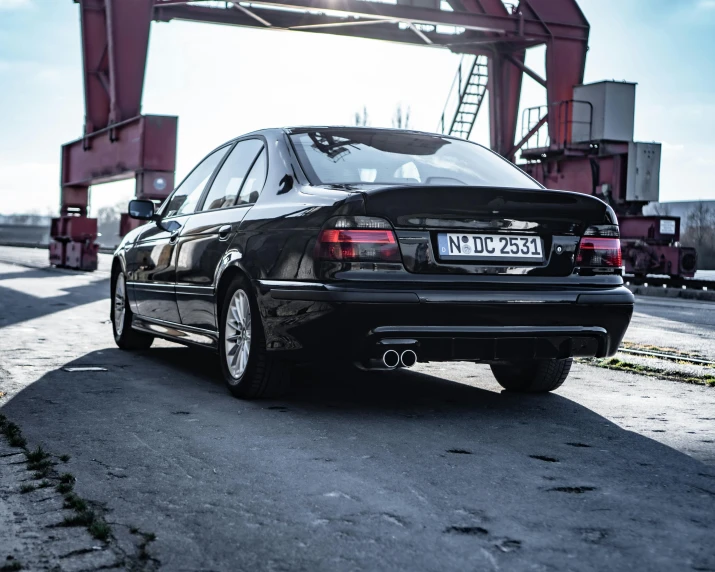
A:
x: 20, y: 234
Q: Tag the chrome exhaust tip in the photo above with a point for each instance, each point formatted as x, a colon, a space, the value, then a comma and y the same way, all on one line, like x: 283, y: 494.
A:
x: 408, y: 358
x: 391, y: 359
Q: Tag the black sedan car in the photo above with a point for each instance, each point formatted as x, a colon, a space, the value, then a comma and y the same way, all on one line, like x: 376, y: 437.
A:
x: 373, y: 246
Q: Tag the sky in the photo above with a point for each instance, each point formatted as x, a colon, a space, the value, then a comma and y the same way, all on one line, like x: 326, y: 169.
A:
x: 223, y: 81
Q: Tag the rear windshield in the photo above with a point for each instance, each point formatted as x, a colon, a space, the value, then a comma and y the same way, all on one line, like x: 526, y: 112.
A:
x: 364, y: 156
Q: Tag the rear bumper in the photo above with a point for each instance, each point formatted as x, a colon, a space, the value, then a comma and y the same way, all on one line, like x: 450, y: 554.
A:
x: 358, y: 323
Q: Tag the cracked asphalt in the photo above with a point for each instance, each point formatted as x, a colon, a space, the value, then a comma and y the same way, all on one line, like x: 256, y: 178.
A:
x: 432, y: 469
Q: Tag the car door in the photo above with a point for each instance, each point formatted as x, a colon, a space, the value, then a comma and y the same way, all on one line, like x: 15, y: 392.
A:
x: 207, y: 234
x: 151, y: 263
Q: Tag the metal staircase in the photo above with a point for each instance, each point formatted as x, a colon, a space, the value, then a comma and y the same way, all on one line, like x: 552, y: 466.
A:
x: 463, y: 103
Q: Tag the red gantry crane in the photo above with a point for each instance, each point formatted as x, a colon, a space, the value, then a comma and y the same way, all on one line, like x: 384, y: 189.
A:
x: 579, y: 154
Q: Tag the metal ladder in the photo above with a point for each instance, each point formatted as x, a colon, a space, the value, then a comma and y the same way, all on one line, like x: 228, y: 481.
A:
x: 469, y: 94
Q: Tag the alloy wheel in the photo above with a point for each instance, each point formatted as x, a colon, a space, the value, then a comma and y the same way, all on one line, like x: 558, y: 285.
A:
x: 119, y: 304
x: 238, y: 334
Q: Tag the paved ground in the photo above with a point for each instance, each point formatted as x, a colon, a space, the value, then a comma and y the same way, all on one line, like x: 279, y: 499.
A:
x: 686, y: 325
x: 428, y: 470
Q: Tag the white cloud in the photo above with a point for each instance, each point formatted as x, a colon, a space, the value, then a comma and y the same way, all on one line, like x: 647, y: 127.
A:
x: 672, y: 146
x: 706, y: 5
x: 14, y: 4
x: 48, y: 74
x: 34, y: 69
x: 686, y: 174
x: 26, y: 187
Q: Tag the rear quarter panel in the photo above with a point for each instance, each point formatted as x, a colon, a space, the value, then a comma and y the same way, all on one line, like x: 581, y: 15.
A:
x: 277, y: 236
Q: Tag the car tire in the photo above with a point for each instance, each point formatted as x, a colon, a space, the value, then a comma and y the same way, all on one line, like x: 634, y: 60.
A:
x: 536, y: 376
x: 250, y: 374
x: 121, y: 314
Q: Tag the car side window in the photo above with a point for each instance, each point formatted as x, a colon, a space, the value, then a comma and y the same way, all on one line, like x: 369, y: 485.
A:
x: 256, y: 178
x: 185, y: 198
x: 233, y: 175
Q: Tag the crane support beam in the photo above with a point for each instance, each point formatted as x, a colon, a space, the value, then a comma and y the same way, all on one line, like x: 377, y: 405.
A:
x: 499, y: 24
x: 115, y: 40
x: 317, y: 23
x: 527, y: 70
x: 504, y: 94
x: 143, y: 146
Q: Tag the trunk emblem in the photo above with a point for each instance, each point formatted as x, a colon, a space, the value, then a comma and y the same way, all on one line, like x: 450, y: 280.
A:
x: 559, y: 250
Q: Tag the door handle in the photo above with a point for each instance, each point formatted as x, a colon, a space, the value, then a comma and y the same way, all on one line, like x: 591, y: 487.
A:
x: 224, y: 231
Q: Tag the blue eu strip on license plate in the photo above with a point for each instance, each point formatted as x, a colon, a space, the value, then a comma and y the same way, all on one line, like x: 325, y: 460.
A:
x: 491, y: 246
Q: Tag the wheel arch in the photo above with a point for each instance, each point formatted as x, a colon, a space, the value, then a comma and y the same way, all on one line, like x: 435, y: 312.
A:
x: 229, y: 273
x: 117, y: 267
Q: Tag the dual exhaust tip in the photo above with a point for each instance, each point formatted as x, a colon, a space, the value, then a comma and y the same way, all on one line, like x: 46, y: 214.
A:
x: 392, y: 359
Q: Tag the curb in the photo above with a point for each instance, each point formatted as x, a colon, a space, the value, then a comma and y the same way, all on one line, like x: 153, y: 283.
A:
x: 683, y: 293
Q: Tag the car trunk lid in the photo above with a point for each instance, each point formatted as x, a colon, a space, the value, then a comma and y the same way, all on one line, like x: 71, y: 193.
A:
x: 543, y: 226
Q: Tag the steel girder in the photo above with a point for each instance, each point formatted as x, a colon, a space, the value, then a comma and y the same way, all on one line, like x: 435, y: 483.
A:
x: 115, y: 39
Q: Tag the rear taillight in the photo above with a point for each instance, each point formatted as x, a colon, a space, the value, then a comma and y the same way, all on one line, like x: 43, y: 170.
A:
x: 358, y: 239
x: 599, y: 252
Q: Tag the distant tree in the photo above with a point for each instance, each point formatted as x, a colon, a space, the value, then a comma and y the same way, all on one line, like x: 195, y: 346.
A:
x: 35, y: 218
x: 401, y: 118
x: 700, y: 233
x: 701, y: 225
x: 361, y: 117
x: 32, y: 218
x: 110, y: 214
x: 108, y: 223
x: 661, y: 209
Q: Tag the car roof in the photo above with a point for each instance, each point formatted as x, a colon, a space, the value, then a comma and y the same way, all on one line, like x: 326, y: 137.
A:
x: 275, y: 131
x: 308, y: 128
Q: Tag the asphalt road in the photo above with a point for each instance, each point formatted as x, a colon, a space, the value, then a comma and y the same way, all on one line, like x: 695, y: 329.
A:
x: 687, y: 325
x: 434, y: 469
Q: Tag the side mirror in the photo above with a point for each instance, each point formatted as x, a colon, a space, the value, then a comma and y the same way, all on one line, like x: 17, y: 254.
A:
x: 141, y: 209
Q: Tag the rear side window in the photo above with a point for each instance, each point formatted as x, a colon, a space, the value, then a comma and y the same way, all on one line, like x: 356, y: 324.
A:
x: 232, y: 176
x: 185, y: 198
x: 383, y: 157
x: 256, y: 178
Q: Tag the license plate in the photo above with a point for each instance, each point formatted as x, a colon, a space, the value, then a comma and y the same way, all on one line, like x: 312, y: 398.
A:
x: 492, y: 246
